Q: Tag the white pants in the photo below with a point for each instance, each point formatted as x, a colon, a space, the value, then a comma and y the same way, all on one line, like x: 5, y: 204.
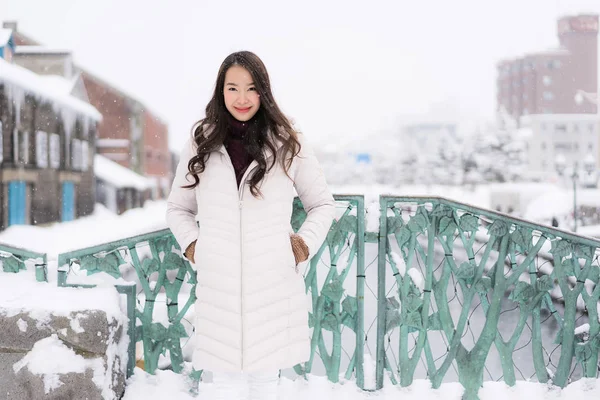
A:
x: 242, y: 386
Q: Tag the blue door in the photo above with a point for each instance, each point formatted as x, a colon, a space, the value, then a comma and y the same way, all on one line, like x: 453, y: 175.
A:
x: 68, y: 201
x: 16, y: 203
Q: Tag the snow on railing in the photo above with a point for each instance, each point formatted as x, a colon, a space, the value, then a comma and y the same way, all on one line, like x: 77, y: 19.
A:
x: 15, y: 260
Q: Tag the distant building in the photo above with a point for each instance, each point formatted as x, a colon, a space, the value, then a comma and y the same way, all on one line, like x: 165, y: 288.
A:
x: 547, y: 82
x: 47, y: 142
x: 567, y: 137
x: 129, y: 134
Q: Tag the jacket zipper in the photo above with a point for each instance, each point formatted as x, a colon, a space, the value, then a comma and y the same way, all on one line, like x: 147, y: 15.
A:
x: 241, y: 204
x: 250, y: 168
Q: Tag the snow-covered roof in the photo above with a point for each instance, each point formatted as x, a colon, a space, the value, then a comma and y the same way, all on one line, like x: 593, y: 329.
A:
x: 5, y: 35
x: 59, y: 83
x: 119, y: 176
x: 557, y: 51
x: 44, y: 88
x: 39, y: 50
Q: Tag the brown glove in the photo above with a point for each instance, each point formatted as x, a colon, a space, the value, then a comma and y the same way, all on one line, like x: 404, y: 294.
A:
x: 189, y: 252
x: 299, y: 248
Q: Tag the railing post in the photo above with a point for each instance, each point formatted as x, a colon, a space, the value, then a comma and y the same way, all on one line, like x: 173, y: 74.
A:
x: 360, y: 293
x: 381, y: 298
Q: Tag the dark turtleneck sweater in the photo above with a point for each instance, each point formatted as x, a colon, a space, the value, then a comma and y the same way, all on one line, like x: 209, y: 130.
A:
x: 234, y: 144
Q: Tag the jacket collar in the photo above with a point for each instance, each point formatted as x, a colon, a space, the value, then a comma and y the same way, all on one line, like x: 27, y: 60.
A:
x: 268, y: 153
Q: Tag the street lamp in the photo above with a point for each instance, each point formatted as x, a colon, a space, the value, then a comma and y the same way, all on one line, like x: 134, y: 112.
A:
x: 589, y: 165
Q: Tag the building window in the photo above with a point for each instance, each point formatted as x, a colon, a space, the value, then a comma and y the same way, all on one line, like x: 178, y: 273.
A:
x: 547, y: 80
x: 548, y: 96
x: 590, y: 146
x: 564, y: 146
x: 41, y: 149
x: 54, y: 151
x: 560, y: 128
x: 554, y: 64
x: 76, y: 155
x: 85, y: 152
x: 22, y: 147
x: 543, y: 145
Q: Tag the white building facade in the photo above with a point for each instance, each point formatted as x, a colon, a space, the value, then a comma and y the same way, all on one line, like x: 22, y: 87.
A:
x: 566, y: 138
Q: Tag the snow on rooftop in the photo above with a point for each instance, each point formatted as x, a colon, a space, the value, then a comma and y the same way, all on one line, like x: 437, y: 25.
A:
x: 119, y: 176
x: 551, y: 52
x: 39, y: 50
x: 59, y: 83
x: 5, y: 35
x: 41, y: 87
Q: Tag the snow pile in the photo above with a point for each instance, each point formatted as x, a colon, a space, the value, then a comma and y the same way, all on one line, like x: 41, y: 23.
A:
x: 562, y: 203
x: 20, y: 293
x: 50, y: 358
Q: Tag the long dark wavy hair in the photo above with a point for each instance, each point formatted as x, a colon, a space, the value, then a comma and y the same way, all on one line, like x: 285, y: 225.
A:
x: 268, y: 124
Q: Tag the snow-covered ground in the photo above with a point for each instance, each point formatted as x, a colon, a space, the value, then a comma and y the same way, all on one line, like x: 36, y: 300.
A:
x: 166, y: 384
x: 103, y: 226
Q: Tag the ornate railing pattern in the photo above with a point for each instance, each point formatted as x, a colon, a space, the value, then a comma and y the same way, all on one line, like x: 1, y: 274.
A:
x: 333, y: 310
x: 441, y: 267
x: 440, y: 252
x: 153, y: 261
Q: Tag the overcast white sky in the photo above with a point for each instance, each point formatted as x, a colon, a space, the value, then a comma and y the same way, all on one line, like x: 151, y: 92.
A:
x: 340, y: 68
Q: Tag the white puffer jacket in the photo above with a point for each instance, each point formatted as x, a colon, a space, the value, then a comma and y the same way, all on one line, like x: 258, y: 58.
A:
x: 251, y: 312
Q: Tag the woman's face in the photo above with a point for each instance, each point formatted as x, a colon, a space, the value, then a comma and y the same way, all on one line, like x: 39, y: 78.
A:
x: 241, y: 98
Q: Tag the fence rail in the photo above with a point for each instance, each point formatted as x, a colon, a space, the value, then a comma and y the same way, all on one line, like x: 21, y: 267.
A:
x: 443, y: 291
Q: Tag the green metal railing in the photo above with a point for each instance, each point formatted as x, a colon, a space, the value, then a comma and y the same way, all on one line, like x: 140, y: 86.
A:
x: 14, y: 260
x: 491, y: 262
x: 152, y: 257
x: 444, y: 291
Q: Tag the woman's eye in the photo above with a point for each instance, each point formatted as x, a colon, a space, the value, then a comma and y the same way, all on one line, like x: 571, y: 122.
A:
x: 231, y: 89
x: 252, y: 88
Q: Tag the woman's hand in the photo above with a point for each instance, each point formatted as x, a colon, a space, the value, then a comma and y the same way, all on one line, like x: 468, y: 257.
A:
x: 189, y: 252
x: 299, y: 248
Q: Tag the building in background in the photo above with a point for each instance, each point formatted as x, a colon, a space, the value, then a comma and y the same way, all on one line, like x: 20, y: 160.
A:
x: 47, y: 142
x: 129, y: 134
x: 118, y: 188
x: 563, y: 138
x: 547, y: 82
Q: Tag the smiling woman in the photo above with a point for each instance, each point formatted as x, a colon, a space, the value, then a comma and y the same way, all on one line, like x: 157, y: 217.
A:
x: 230, y: 208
